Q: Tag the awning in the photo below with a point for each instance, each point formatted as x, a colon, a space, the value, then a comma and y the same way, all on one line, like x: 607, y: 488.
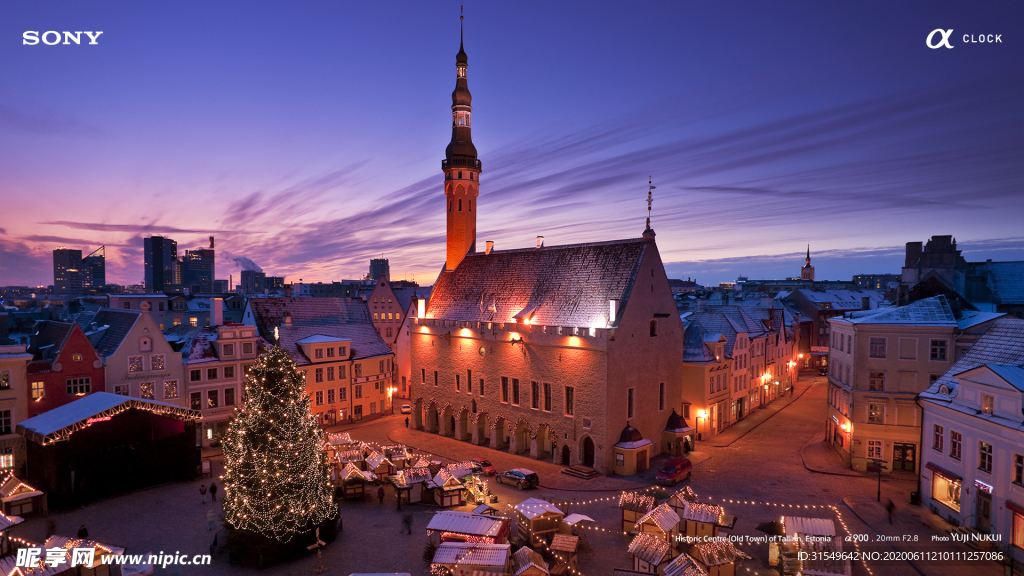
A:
x: 943, y: 472
x: 1017, y: 508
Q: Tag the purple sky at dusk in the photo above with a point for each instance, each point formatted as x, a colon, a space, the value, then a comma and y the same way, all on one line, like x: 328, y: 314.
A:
x: 307, y: 136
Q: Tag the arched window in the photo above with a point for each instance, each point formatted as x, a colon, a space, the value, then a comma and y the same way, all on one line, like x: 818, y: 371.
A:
x: 449, y: 205
x: 460, y: 204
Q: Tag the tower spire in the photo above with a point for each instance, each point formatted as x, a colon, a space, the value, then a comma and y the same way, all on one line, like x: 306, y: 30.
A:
x: 460, y: 165
x: 648, y: 232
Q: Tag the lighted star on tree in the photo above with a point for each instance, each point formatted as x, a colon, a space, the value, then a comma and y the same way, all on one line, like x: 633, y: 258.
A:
x: 275, y: 474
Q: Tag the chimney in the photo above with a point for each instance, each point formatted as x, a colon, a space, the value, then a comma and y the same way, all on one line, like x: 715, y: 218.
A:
x: 540, y: 241
x: 865, y: 303
x: 288, y: 319
x: 211, y: 242
x: 613, y: 311
x: 421, y: 308
x: 490, y: 246
x: 216, y: 311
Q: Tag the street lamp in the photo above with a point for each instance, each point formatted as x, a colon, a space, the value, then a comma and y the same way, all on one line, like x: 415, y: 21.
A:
x: 702, y: 414
x: 391, y: 390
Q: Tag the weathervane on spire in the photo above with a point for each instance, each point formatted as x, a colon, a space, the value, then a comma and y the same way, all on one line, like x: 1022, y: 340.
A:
x: 650, y: 199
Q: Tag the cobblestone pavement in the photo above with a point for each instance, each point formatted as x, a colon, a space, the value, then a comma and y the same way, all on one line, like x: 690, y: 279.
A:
x: 758, y: 475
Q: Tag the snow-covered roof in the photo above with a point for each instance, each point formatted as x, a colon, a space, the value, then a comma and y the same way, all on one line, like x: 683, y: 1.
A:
x: 59, y: 423
x: 534, y: 507
x: 472, y: 554
x: 375, y: 459
x: 811, y: 526
x: 350, y: 472
x: 339, y: 438
x: 13, y: 489
x: 320, y: 339
x: 70, y: 544
x: 684, y: 565
x: 466, y: 523
x: 648, y: 548
x: 574, y: 518
x: 697, y: 512
x: 414, y: 475
x: 633, y: 444
x: 524, y: 559
x: 663, y: 516
x: 933, y: 311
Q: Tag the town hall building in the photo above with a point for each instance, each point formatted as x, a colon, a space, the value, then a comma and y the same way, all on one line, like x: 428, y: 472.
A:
x: 550, y: 351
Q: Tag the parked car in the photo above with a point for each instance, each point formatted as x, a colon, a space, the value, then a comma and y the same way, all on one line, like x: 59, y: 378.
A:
x: 406, y: 409
x: 674, y: 471
x: 521, y: 477
x: 485, y: 466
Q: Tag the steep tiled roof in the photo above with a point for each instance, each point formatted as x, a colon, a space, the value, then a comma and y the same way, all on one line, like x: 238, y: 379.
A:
x: 1014, y: 375
x: 1006, y: 281
x: 694, y: 349
x: 118, y: 323
x: 405, y: 295
x: 663, y: 517
x: 684, y: 565
x: 49, y: 339
x: 934, y: 311
x: 562, y: 285
x: 717, y: 323
x: 269, y: 312
x: 841, y: 299
x: 524, y: 559
x: 366, y: 342
x: 1003, y: 344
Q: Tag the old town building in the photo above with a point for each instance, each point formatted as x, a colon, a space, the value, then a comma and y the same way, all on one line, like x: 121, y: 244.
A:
x: 878, y: 363
x: 216, y: 360
x: 391, y: 306
x: 548, y: 351
x: 13, y: 406
x: 138, y: 361
x: 972, y: 471
x: 349, y: 370
x: 64, y: 366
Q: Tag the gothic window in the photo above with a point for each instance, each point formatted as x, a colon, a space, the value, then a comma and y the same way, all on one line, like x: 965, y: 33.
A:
x: 460, y: 204
x: 470, y: 203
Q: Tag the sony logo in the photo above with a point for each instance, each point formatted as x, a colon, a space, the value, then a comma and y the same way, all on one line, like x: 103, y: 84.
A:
x: 52, y: 37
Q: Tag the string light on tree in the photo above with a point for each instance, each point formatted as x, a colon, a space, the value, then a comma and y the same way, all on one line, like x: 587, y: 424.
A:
x: 275, y: 474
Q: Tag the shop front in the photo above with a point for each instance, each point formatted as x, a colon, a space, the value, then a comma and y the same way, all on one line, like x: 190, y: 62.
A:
x: 945, y: 490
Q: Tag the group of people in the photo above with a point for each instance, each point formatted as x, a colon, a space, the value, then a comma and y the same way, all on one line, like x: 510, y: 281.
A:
x: 211, y: 514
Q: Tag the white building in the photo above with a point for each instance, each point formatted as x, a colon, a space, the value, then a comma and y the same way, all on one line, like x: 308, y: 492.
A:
x: 972, y: 471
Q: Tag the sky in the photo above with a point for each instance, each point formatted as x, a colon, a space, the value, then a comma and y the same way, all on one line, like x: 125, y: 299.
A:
x: 307, y: 136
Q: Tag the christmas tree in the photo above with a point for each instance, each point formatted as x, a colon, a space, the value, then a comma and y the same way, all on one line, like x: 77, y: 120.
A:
x: 275, y: 472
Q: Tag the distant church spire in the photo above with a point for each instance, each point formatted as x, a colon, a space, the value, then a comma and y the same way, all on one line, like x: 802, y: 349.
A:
x: 807, y: 272
x: 460, y: 166
x: 648, y: 231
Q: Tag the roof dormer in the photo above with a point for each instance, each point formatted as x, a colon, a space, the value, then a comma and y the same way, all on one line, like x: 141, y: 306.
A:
x: 319, y: 348
x: 993, y: 389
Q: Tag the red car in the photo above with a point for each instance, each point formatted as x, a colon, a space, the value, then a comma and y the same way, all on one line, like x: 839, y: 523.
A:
x: 674, y: 471
x: 485, y: 466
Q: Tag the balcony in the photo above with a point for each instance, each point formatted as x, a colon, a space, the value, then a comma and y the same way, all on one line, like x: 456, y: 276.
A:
x: 461, y: 163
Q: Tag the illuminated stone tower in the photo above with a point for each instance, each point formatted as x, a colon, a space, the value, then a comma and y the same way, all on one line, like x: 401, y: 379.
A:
x: 807, y: 272
x: 461, y: 169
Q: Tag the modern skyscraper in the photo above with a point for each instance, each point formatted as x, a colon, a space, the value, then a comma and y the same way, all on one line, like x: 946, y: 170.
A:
x: 95, y: 269
x: 379, y: 268
x: 161, y: 259
x: 461, y: 169
x: 252, y: 282
x: 198, y: 269
x: 67, y: 270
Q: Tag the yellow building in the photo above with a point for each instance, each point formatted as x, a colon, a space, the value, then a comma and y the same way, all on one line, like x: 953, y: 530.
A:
x: 349, y: 369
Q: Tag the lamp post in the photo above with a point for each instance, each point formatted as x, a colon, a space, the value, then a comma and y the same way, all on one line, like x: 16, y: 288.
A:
x: 703, y: 414
x: 391, y: 391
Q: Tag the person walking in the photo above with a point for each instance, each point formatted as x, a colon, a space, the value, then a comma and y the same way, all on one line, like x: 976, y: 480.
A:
x: 407, y: 522
x: 202, y: 492
x: 890, y: 507
x: 406, y: 421
x: 213, y: 491
x: 83, y: 533
x: 211, y: 517
x: 380, y: 494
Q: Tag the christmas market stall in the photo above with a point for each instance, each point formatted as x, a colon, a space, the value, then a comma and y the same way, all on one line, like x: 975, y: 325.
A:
x: 354, y: 456
x: 718, y: 557
x: 18, y: 497
x: 700, y: 520
x: 103, y: 445
x: 6, y: 523
x: 814, y: 539
x: 526, y: 562
x: 380, y: 465
x: 576, y: 525
x: 453, y: 526
x: 95, y: 565
x: 662, y: 523
x: 398, y: 455
x: 537, y: 520
x: 634, y: 506
x: 565, y: 547
x: 678, y: 500
x: 469, y: 558
x: 477, y: 488
x: 648, y: 553
x: 412, y: 482
x: 447, y: 489
x: 684, y: 565
x: 353, y: 481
